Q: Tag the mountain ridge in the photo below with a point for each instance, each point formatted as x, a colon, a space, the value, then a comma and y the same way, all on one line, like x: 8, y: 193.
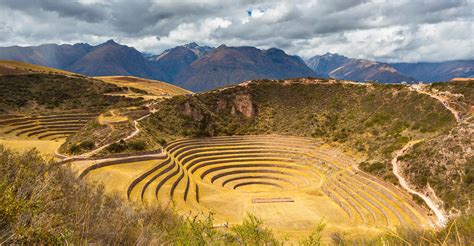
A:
x: 342, y: 67
x: 191, y: 66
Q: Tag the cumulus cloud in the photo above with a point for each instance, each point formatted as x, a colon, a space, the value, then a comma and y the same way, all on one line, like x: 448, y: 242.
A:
x: 403, y: 30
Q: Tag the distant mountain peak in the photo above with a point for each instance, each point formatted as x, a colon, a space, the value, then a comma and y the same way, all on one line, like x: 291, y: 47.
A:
x: 191, y: 45
x: 332, y: 55
x: 110, y: 41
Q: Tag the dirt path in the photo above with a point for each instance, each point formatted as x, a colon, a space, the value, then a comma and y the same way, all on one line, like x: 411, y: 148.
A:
x: 90, y: 153
x: 440, y: 216
x: 443, y: 100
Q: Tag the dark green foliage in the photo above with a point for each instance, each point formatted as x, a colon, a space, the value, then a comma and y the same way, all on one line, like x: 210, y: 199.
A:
x: 118, y: 147
x: 123, y: 146
x: 375, y: 167
x: 82, y: 147
x: 88, y: 145
x: 137, y: 145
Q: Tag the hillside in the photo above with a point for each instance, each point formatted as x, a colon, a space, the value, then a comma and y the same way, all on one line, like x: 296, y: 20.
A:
x: 230, y: 65
x: 42, y: 93
x: 366, y: 118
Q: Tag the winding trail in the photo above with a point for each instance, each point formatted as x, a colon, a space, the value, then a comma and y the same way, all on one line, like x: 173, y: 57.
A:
x: 440, y: 216
x: 91, y: 153
x: 443, y: 100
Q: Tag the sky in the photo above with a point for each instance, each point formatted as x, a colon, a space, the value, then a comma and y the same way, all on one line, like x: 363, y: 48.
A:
x: 383, y: 30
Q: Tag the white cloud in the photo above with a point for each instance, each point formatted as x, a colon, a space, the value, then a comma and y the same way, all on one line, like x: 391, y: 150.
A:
x: 385, y: 30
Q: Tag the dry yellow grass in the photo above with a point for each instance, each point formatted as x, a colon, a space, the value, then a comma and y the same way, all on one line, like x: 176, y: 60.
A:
x: 308, y: 180
x: 111, y: 117
x: 45, y: 147
x: 154, y: 87
x: 15, y: 67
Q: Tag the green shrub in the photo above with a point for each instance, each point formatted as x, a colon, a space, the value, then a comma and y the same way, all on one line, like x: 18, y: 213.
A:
x: 89, y: 145
x: 137, y: 145
x: 252, y: 232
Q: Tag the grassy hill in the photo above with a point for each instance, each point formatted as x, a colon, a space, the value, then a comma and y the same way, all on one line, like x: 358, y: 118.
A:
x: 16, y: 67
x: 42, y: 93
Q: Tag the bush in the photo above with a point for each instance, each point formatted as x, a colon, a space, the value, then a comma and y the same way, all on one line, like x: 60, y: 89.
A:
x: 137, y: 145
x: 252, y: 232
x: 118, y: 147
x: 74, y: 149
x: 89, y: 145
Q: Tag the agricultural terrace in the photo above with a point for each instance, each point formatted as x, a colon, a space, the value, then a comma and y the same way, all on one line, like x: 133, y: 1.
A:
x: 292, y: 183
x: 42, y: 127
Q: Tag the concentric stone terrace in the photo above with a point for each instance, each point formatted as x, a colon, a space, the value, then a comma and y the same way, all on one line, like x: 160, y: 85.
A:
x: 288, y: 181
x: 47, y: 127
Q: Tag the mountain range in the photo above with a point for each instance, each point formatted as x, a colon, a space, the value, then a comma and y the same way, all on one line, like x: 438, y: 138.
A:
x: 201, y: 68
x: 341, y: 67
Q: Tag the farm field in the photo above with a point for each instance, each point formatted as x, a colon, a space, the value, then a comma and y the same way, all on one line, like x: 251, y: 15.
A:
x: 292, y: 183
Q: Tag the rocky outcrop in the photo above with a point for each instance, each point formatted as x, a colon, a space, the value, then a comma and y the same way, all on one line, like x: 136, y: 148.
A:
x: 243, y: 104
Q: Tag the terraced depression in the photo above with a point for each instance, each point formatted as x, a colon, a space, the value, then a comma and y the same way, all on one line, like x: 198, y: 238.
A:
x: 44, y: 132
x: 292, y: 183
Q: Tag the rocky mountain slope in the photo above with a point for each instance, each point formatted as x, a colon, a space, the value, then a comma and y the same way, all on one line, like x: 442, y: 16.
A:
x: 172, y: 61
x: 342, y: 67
x: 437, y: 71
x: 230, y: 65
x: 202, y: 68
x: 112, y: 58
x: 50, y: 55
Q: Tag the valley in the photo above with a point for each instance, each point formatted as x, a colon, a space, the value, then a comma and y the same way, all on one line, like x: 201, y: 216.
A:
x: 239, y: 123
x: 293, y: 153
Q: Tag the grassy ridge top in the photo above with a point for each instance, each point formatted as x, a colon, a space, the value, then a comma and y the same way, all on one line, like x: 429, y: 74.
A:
x: 15, y: 67
x: 153, y: 87
x: 342, y: 112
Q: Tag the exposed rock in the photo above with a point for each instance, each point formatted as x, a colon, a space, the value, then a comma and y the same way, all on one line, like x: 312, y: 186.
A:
x: 243, y: 104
